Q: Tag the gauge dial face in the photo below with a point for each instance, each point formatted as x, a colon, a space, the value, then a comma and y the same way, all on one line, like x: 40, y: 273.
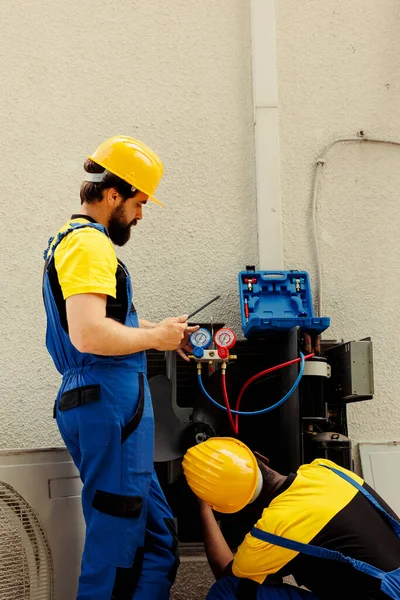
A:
x: 201, y: 338
x: 225, y: 338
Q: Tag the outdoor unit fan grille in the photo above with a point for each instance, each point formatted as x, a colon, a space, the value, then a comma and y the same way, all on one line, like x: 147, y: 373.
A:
x: 26, y: 568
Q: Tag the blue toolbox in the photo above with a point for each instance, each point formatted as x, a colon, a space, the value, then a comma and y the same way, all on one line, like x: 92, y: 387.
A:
x: 277, y: 300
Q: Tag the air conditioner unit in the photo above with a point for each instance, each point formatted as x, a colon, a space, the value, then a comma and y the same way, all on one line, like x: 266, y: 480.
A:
x: 41, y: 525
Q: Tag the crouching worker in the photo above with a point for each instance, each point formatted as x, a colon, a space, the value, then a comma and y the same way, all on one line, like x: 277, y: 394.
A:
x: 324, y: 525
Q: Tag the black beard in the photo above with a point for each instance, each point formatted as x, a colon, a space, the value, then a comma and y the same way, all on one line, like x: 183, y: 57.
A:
x: 118, y: 231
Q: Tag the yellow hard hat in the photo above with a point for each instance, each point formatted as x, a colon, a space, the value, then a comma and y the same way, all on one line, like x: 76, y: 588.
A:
x: 132, y: 161
x: 223, y: 472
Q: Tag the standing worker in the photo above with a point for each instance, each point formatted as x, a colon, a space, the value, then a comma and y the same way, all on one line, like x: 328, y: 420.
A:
x: 103, y: 407
x: 324, y: 525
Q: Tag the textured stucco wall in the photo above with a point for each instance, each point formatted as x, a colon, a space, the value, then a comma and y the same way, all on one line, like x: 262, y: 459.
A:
x: 175, y: 74
x: 178, y: 75
x: 338, y: 73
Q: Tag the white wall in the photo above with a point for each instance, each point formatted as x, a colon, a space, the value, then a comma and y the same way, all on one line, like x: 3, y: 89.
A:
x: 338, y: 72
x: 176, y: 75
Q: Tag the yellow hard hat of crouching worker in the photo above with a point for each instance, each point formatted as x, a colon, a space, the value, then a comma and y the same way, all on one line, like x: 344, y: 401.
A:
x: 223, y: 472
x: 132, y: 161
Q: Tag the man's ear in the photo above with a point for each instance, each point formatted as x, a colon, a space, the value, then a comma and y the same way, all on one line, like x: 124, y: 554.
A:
x: 261, y: 458
x: 112, y: 196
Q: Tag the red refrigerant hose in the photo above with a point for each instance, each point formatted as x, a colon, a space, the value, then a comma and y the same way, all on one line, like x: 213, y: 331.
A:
x: 233, y: 423
x: 234, y: 419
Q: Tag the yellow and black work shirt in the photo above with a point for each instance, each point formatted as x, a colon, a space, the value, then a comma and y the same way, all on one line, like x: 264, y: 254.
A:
x: 315, y: 506
x: 85, y: 263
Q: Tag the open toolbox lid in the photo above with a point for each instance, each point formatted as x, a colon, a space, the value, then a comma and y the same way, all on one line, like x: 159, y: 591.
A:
x: 271, y: 300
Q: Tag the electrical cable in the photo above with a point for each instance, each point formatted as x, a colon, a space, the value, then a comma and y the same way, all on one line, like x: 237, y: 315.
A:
x: 316, y: 182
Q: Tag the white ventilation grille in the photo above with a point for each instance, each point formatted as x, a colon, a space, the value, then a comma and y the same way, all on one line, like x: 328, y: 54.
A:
x: 26, y: 569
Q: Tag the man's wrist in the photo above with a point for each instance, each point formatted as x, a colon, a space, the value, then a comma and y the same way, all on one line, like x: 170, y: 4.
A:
x: 205, y: 509
x: 153, y: 337
x: 144, y: 324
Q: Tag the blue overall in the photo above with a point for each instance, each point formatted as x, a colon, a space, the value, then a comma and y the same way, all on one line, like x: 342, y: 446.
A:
x: 105, y: 416
x: 390, y: 582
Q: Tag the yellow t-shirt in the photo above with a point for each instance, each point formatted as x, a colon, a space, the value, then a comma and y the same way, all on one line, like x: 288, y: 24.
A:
x: 299, y: 513
x: 85, y: 261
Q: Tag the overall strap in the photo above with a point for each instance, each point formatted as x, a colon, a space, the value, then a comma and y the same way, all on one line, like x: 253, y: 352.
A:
x: 316, y: 551
x: 61, y: 235
x: 394, y: 524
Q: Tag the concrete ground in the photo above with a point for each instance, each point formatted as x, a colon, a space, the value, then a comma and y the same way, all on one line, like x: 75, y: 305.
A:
x: 195, y: 578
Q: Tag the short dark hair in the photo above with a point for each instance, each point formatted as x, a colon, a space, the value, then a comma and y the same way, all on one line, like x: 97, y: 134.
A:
x: 93, y: 192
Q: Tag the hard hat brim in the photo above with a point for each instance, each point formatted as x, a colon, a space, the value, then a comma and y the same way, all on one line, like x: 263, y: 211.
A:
x: 156, y: 201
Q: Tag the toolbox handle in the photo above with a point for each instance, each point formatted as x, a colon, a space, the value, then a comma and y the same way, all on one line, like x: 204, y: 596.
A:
x: 273, y: 276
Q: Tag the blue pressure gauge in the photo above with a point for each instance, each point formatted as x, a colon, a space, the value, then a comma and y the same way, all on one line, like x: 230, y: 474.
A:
x: 201, y: 338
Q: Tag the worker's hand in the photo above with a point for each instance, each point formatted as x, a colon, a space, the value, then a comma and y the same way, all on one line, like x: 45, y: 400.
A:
x: 261, y: 458
x: 185, y: 345
x: 170, y: 332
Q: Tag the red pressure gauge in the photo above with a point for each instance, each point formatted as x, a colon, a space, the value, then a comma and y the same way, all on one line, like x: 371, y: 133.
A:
x: 224, y: 338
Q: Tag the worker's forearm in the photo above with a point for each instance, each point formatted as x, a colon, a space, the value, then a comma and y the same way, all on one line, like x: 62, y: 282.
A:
x: 218, y: 552
x: 111, y: 338
x: 144, y: 324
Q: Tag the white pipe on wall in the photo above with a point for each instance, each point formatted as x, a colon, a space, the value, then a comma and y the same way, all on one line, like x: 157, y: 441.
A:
x: 265, y: 96
x: 361, y: 139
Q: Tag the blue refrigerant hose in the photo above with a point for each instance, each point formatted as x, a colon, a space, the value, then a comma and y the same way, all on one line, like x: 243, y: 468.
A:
x: 264, y: 410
